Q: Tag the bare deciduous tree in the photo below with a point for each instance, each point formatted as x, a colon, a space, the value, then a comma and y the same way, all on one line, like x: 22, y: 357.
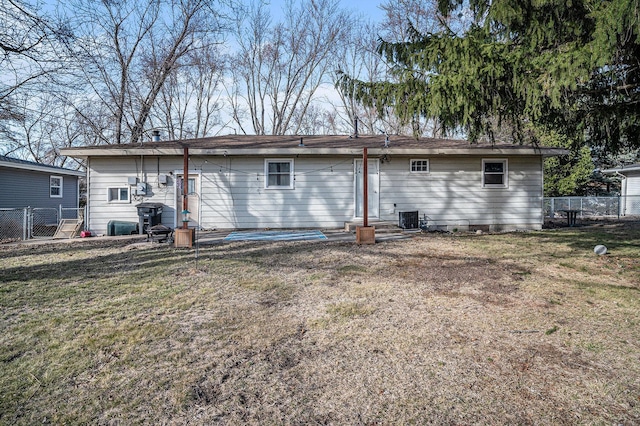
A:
x: 189, y: 103
x: 129, y: 50
x: 279, y: 67
x: 33, y: 50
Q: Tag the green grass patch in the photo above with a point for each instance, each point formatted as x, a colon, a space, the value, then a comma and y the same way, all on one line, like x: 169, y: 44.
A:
x: 347, y: 310
x: 352, y: 270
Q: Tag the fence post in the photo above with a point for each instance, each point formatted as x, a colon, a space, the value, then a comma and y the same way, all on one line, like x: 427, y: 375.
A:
x: 619, y: 205
x: 552, y: 212
x: 25, y: 223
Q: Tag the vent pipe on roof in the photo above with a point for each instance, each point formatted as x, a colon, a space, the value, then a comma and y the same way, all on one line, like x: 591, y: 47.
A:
x: 155, y: 136
x: 301, y: 142
x: 355, y: 121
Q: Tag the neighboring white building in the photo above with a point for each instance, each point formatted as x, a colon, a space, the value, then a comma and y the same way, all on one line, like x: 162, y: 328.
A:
x: 629, y: 188
x: 255, y: 182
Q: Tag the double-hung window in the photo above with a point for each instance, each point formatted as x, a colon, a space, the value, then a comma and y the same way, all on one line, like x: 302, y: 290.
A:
x: 494, y: 173
x: 55, y: 186
x: 278, y: 174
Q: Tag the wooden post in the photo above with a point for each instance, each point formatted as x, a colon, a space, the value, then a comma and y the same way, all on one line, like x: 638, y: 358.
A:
x: 185, y: 185
x: 183, y: 237
x: 365, y: 234
x: 365, y: 189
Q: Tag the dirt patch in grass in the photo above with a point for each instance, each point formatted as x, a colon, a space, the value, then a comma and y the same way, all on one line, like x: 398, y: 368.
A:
x: 517, y: 328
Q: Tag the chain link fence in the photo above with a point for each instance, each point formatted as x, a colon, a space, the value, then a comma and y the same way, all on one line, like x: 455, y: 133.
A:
x: 14, y: 224
x: 27, y: 223
x: 615, y: 206
x: 44, y: 222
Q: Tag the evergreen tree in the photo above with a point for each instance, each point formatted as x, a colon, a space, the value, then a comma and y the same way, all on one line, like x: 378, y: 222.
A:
x: 567, y: 66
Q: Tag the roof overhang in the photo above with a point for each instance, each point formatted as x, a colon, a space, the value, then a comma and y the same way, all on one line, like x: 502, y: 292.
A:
x: 42, y: 168
x: 112, y: 151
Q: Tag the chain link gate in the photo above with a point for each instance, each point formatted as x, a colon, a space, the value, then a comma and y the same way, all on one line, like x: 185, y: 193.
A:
x: 44, y: 222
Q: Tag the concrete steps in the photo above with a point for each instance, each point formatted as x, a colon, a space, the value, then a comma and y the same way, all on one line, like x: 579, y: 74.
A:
x: 380, y: 225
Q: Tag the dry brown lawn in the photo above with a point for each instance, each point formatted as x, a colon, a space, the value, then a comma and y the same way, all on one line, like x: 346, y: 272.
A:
x: 518, y: 328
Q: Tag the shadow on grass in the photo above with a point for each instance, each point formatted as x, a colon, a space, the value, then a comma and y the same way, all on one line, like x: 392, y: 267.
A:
x: 61, y: 246
x: 621, y: 239
x: 65, y: 267
x: 136, y: 262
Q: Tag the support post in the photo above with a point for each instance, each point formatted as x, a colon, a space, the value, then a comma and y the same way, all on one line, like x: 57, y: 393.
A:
x: 365, y: 189
x: 365, y: 234
x: 185, y: 185
x: 183, y: 237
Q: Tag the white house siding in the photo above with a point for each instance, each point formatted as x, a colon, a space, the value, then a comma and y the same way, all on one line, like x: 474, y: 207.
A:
x: 451, y: 194
x: 632, y: 192
x: 113, y: 172
x: 232, y: 191
x: 233, y: 194
x: 633, y: 184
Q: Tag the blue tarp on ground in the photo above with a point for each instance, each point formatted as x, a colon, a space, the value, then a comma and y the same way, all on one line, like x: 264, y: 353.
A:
x: 275, y: 236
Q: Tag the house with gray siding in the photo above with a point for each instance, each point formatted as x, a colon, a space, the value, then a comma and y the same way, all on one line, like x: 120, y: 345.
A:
x: 29, y: 184
x: 253, y: 182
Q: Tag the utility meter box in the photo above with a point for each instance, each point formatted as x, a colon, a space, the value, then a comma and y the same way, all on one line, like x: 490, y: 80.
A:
x: 141, y: 189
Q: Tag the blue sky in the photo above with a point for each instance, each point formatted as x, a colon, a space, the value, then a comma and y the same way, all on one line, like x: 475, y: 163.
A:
x: 368, y: 8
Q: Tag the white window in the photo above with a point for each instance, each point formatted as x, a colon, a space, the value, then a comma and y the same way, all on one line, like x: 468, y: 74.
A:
x: 419, y: 166
x: 494, y: 174
x: 55, y: 186
x: 278, y: 174
x: 118, y: 195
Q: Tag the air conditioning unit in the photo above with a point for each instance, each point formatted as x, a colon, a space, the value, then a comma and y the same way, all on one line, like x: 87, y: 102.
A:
x: 408, y: 220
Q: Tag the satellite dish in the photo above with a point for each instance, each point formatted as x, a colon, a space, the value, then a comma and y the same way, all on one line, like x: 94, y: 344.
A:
x: 600, y: 250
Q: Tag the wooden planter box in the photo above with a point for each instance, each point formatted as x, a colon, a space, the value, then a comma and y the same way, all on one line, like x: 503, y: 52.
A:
x: 183, y: 237
x: 365, y: 234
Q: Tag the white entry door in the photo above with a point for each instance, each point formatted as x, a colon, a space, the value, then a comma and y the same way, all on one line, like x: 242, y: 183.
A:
x: 193, y: 199
x: 373, y: 184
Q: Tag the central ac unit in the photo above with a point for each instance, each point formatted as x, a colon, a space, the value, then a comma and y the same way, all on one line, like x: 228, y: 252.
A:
x: 408, y: 220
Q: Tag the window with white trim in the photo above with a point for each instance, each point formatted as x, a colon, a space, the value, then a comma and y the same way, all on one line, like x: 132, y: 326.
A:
x: 278, y: 174
x: 494, y: 173
x: 55, y: 186
x: 119, y: 195
x: 419, y: 166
